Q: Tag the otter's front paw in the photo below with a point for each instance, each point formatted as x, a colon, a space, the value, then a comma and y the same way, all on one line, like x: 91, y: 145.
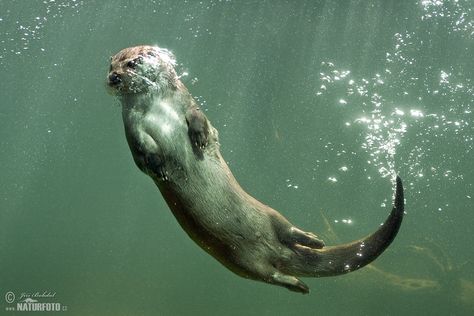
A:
x: 198, y: 128
x: 155, y: 168
x: 161, y: 174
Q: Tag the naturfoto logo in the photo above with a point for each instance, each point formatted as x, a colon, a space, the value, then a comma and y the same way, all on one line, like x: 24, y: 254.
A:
x: 33, y: 302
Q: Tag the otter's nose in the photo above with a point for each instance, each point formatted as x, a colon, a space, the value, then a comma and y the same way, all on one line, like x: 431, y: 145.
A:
x: 114, y: 79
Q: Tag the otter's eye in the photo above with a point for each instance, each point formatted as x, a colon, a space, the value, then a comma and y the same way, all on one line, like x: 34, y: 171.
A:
x: 133, y: 63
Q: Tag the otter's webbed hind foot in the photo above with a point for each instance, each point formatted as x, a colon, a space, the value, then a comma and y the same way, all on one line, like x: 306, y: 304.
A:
x: 290, y: 282
x: 297, y: 236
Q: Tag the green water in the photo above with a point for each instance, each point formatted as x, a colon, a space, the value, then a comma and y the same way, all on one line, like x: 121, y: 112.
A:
x: 316, y: 103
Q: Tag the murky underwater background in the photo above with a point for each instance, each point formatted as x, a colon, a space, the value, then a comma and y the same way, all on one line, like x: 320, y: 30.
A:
x: 317, y: 104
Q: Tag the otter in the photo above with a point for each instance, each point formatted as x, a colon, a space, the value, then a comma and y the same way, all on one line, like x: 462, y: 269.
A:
x: 174, y: 143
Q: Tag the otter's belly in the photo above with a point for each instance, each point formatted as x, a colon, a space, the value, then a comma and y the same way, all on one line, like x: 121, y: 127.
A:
x: 214, y: 206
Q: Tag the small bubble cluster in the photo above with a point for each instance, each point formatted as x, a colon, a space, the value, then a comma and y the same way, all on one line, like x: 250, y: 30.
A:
x: 30, y: 30
x: 433, y: 110
x: 457, y: 14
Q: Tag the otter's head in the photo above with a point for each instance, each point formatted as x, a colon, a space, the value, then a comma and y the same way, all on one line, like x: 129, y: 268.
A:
x: 142, y: 69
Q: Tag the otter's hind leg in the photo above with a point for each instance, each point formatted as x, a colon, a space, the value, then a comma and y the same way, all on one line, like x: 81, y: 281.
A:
x: 290, y: 282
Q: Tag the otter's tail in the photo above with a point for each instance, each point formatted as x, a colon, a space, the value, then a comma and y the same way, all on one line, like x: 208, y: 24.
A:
x: 335, y: 260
